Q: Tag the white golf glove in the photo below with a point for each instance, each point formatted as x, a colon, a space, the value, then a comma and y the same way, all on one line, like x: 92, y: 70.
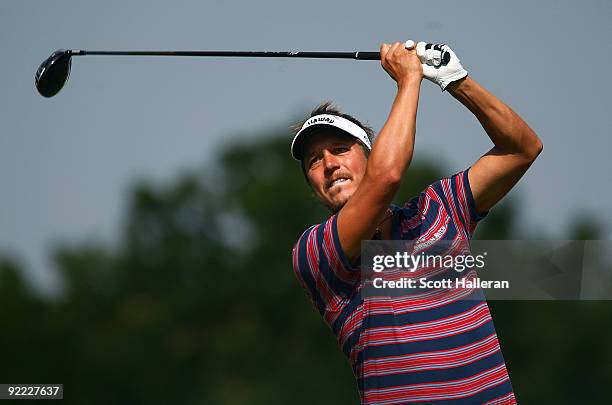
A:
x: 440, y: 64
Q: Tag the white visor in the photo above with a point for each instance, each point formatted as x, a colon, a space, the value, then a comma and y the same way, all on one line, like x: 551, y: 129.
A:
x: 327, y: 119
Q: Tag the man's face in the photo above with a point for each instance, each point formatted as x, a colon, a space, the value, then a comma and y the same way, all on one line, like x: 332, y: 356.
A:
x: 334, y: 164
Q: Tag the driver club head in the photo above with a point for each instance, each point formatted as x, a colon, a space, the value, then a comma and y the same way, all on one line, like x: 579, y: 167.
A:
x: 53, y: 73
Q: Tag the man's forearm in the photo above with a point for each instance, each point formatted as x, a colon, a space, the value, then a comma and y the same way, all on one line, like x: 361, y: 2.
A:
x: 394, y: 145
x: 507, y: 130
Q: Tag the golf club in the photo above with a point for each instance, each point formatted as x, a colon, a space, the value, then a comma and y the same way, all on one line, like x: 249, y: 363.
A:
x: 54, y: 71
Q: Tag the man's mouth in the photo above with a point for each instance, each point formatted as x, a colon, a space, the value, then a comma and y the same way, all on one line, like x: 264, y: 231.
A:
x: 338, y: 181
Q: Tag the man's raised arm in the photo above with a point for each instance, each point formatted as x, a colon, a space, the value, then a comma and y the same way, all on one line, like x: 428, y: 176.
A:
x: 390, y: 156
x: 516, y: 145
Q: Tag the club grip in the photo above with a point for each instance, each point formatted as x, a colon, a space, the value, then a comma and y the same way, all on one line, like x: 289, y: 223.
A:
x: 367, y: 55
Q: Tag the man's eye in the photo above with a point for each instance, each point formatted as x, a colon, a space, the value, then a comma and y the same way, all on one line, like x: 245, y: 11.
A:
x: 314, y: 161
x: 341, y: 149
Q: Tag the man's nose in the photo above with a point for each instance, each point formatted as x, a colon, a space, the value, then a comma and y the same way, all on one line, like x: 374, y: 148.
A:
x: 330, y: 161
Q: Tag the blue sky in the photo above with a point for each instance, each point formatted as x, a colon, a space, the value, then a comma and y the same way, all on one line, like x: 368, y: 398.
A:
x: 66, y: 162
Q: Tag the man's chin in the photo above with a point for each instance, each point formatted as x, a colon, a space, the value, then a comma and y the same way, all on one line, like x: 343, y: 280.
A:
x: 336, y: 208
x: 337, y: 205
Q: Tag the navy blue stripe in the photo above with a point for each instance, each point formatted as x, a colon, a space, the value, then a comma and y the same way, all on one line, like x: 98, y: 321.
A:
x: 455, y: 197
x: 373, y: 321
x: 433, y: 376
x: 407, y: 212
x: 338, y: 286
x: 352, y: 340
x: 410, y: 208
x: 475, y: 216
x: 306, y: 272
x: 451, y: 232
x: 446, y: 343
x: 437, y: 187
x: 348, y: 309
x: 343, y: 258
x: 480, y: 398
x: 432, y: 210
x: 430, y: 218
x: 434, y: 314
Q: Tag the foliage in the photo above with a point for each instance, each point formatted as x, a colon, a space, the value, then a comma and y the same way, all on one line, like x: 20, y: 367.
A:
x: 199, y: 305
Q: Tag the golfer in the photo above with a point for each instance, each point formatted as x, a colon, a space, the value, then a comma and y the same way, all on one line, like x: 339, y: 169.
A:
x: 407, y: 349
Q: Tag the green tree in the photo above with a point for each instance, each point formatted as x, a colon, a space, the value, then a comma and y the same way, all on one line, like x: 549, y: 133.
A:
x: 199, y: 304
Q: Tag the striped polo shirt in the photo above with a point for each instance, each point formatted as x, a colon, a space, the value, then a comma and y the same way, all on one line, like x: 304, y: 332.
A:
x: 429, y: 348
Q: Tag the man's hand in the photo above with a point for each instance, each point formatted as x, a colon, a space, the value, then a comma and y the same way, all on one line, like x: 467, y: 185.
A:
x: 400, y: 61
x: 440, y: 64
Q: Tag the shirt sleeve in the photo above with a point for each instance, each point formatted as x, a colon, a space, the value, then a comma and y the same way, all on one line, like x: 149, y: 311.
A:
x: 322, y: 268
x: 455, y: 194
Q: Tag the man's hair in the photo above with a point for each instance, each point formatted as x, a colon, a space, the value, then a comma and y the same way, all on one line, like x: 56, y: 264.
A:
x: 328, y: 107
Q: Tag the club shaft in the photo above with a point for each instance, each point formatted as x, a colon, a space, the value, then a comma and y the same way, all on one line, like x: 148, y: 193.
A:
x: 248, y: 54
